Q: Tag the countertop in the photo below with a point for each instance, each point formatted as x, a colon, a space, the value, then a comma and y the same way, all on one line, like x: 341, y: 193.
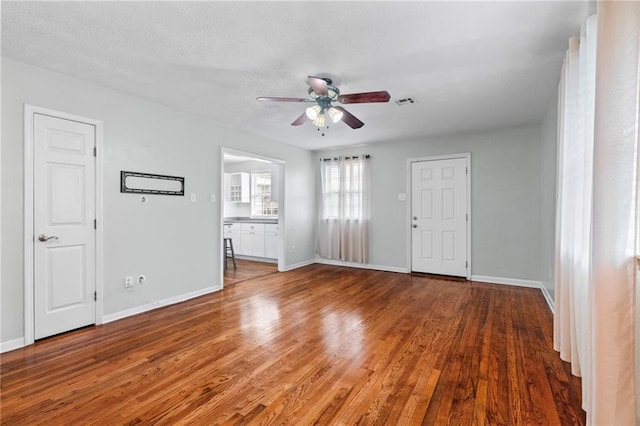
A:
x: 230, y: 220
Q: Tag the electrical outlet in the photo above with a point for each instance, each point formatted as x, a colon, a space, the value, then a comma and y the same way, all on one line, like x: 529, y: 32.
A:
x: 128, y: 282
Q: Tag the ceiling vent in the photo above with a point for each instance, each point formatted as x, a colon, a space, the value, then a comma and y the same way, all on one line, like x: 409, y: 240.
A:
x: 405, y: 101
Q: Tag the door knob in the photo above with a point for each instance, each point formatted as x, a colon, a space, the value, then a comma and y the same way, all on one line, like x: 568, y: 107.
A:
x: 415, y: 226
x: 44, y: 238
x: 415, y: 218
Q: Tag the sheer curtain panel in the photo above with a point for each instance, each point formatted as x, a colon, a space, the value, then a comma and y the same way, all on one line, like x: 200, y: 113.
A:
x: 597, y: 210
x: 343, y: 216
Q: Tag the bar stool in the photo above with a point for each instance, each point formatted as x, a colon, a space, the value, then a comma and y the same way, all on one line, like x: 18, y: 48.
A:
x: 229, y: 253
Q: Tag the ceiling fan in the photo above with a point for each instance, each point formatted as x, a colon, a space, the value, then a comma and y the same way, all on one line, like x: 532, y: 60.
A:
x: 322, y: 93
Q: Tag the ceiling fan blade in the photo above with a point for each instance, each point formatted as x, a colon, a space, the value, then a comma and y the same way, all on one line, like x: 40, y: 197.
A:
x: 319, y: 85
x: 350, y: 119
x: 276, y: 99
x: 300, y: 120
x: 364, y: 98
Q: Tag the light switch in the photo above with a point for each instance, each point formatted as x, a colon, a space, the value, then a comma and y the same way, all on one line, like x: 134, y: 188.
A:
x: 213, y: 198
x: 402, y: 196
x: 193, y: 198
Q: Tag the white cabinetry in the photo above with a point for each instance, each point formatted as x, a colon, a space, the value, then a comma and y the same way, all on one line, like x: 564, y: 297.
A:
x: 234, y: 232
x: 237, y: 187
x: 271, y: 239
x: 252, y: 240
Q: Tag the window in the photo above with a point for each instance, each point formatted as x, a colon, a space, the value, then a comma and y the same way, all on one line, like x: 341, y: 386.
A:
x: 342, y: 233
x: 261, y: 203
x: 342, y: 190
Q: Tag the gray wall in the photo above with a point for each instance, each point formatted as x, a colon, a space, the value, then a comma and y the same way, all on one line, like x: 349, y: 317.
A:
x: 548, y: 167
x: 173, y: 242
x: 505, y: 198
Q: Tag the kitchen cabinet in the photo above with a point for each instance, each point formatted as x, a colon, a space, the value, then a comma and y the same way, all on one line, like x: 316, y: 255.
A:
x: 234, y: 232
x: 253, y: 243
x: 271, y: 240
x: 254, y: 239
x: 238, y: 187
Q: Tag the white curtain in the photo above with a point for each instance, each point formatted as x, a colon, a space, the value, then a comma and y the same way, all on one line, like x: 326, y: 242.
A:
x: 343, y: 215
x: 573, y: 219
x: 596, y: 228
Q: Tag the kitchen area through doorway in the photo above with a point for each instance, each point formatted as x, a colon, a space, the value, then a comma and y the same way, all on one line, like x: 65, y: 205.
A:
x: 252, y: 188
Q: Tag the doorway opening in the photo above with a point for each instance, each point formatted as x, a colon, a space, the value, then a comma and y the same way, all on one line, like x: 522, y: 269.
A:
x: 252, y: 216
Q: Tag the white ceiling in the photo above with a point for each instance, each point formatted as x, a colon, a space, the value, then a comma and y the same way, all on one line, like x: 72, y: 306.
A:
x: 468, y: 65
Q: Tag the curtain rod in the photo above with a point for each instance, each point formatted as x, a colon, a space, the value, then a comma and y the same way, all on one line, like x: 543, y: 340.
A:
x: 346, y: 158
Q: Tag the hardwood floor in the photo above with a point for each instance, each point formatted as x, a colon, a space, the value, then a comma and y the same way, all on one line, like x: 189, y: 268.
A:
x: 247, y: 269
x: 317, y: 345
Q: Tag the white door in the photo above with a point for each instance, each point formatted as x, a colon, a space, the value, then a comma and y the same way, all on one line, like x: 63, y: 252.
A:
x: 64, y: 213
x: 439, y: 217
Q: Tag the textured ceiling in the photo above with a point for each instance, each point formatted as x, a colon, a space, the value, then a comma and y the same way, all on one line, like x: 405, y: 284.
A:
x: 468, y: 65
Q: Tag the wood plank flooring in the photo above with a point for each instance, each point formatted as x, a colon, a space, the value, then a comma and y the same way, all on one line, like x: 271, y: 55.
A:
x: 317, y: 345
x: 247, y: 269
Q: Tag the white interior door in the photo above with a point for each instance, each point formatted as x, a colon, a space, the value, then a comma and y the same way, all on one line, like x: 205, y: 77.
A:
x: 439, y: 217
x: 64, y: 213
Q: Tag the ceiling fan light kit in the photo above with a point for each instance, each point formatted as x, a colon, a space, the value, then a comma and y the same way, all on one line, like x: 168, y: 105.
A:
x: 322, y: 92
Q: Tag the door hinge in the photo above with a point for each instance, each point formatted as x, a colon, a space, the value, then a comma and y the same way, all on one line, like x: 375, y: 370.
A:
x: 95, y: 151
x: 95, y: 296
x: 95, y: 223
x: 466, y: 263
x: 466, y: 170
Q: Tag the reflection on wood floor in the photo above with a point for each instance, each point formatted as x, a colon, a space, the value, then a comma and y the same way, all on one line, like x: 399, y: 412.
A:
x: 321, y: 345
x: 247, y: 269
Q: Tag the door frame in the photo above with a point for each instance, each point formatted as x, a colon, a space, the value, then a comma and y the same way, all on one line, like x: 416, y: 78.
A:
x: 282, y: 261
x: 410, y: 161
x: 29, y: 264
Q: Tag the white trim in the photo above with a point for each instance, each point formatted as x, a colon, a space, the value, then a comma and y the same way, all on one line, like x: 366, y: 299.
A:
x: 467, y: 156
x: 28, y: 225
x: 11, y: 345
x: 29, y: 111
x: 299, y: 265
x: 334, y: 262
x: 507, y: 281
x: 159, y: 304
x: 99, y: 194
x: 548, y: 298
x: 257, y: 259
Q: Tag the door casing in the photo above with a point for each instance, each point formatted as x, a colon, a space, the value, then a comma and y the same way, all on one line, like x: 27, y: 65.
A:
x: 282, y: 252
x: 29, y: 111
x: 466, y: 156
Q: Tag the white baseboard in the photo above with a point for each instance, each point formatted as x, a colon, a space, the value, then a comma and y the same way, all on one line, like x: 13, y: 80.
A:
x: 508, y: 281
x: 11, y: 345
x: 299, y: 265
x: 256, y: 259
x: 549, y: 299
x: 158, y: 304
x: 334, y: 262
